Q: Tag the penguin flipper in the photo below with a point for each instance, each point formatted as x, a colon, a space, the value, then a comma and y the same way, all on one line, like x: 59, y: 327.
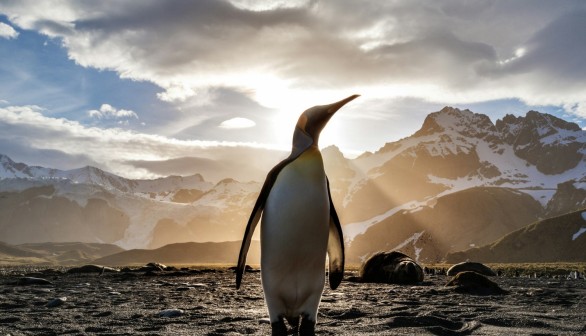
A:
x: 335, y: 246
x: 256, y: 214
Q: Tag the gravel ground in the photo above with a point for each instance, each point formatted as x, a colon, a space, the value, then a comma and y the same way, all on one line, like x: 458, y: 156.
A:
x: 205, y: 302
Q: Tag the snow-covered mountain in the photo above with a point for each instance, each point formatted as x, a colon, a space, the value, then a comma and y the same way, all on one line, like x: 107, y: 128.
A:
x: 157, y: 188
x: 408, y: 195
x: 456, y: 151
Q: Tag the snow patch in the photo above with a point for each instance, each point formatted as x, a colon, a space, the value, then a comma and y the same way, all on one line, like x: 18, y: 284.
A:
x: 354, y: 229
x: 411, y: 240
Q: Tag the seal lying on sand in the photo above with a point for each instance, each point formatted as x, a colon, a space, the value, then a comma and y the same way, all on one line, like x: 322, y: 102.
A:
x: 473, y: 283
x: 471, y: 266
x: 391, y: 267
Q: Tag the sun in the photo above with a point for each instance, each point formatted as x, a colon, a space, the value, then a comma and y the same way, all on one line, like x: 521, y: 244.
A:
x: 284, y: 121
x: 288, y: 101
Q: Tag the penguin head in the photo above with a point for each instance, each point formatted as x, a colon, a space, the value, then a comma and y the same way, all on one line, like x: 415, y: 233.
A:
x: 313, y: 120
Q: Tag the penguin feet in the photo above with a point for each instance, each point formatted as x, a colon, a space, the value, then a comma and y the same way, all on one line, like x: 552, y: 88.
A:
x: 307, y: 327
x: 279, y: 328
x: 294, y: 324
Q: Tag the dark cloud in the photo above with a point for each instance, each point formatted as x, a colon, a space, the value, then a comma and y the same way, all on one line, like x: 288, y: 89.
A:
x: 556, y: 50
x: 189, y: 46
x: 215, y: 60
x: 440, y: 57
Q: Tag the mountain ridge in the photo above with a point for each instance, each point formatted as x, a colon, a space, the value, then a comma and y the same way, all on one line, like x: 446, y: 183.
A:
x: 453, y: 151
x: 556, y: 239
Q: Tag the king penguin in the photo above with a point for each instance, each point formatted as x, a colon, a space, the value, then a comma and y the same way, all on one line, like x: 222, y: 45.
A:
x: 299, y: 227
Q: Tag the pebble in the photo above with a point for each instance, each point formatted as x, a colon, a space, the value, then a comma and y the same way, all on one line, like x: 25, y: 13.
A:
x: 264, y: 320
x: 171, y: 313
x: 25, y: 281
x: 183, y: 289
x: 92, y: 269
x: 56, y: 302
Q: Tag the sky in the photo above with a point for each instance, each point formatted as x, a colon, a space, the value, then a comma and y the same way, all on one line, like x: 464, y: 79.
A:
x: 149, y: 88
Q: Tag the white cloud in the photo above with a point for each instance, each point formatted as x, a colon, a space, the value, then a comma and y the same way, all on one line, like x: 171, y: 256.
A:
x: 7, y: 31
x: 106, y: 111
x: 286, y: 54
x: 115, y: 148
x: 237, y: 123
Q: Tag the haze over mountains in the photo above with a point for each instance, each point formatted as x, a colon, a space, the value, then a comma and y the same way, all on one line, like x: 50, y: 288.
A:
x: 460, y: 181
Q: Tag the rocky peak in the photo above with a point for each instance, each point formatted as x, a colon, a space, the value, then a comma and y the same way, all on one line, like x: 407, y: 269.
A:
x: 332, y: 153
x: 11, y: 169
x: 226, y: 181
x: 543, y: 119
x: 7, y: 163
x: 553, y: 145
x: 463, y: 122
x: 197, y: 177
x: 336, y: 164
x: 5, y: 159
x: 533, y: 126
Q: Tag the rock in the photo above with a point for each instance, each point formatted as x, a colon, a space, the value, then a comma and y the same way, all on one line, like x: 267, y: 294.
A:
x: 56, y: 302
x: 471, y: 266
x: 474, y: 283
x: 247, y: 269
x: 171, y: 313
x: 153, y: 267
x: 27, y: 281
x: 391, y: 267
x: 92, y: 269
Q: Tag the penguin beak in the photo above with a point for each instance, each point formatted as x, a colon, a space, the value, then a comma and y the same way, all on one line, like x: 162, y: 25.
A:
x: 333, y: 108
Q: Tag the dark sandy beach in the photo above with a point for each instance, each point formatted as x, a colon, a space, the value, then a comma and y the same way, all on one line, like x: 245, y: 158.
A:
x: 205, y: 302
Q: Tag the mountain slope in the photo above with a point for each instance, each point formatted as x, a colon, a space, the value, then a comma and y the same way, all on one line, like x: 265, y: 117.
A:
x: 456, y: 221
x: 38, y: 215
x: 185, y: 253
x: 556, y: 239
x: 55, y: 253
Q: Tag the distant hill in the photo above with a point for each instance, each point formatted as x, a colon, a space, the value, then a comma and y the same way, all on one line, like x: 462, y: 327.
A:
x: 7, y: 251
x: 55, y: 253
x: 561, y: 238
x: 184, y: 253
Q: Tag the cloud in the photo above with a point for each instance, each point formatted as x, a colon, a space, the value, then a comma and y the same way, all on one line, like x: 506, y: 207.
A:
x: 7, y: 31
x: 115, y: 149
x: 237, y: 123
x: 106, y: 111
x: 289, y: 53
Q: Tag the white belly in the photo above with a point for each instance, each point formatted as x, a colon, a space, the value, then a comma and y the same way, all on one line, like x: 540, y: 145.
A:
x: 294, y: 235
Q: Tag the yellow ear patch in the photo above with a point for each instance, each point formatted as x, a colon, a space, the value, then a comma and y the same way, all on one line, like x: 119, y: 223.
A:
x: 302, y: 121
